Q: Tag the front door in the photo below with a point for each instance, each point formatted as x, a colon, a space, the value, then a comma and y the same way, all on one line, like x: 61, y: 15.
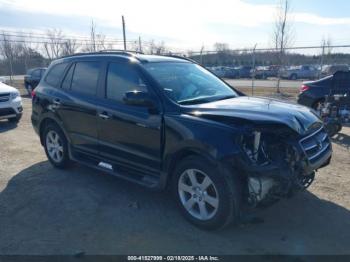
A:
x: 128, y: 135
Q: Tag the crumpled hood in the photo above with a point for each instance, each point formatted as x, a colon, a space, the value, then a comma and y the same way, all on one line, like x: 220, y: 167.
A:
x: 261, y: 110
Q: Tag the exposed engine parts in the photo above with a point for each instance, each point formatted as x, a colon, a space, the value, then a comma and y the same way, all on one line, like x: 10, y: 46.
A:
x: 335, y: 110
x: 282, y: 162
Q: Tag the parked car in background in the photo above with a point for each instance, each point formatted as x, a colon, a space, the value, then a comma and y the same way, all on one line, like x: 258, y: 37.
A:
x: 330, y: 97
x: 263, y: 72
x: 331, y: 69
x: 10, y: 103
x: 167, y: 123
x: 32, y: 78
x: 220, y: 71
x: 312, y: 93
x: 231, y: 72
x: 243, y: 71
x: 300, y: 72
x: 225, y: 71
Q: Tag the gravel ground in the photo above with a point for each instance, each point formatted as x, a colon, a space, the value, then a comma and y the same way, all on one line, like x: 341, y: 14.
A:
x: 48, y: 211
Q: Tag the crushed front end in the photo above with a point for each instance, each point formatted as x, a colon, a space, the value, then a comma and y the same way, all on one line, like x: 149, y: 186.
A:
x: 278, y: 162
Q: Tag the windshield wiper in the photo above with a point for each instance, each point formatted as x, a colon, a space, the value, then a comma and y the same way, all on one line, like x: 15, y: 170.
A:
x: 225, y: 97
x: 198, y: 100
x: 206, y: 99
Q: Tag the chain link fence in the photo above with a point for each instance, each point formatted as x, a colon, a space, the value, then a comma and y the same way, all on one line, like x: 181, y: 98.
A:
x: 264, y: 71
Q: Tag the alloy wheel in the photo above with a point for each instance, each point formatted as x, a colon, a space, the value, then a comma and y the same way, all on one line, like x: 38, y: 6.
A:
x: 54, y: 146
x: 198, y: 194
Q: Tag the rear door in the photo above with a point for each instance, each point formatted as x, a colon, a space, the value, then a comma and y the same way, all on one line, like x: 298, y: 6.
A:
x: 76, y: 104
x: 129, y: 135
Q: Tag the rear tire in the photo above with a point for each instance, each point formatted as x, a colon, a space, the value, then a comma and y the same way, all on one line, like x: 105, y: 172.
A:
x: 56, y: 146
x: 208, y: 195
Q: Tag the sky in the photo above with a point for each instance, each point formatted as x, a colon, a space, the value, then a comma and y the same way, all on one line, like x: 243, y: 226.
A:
x: 183, y: 24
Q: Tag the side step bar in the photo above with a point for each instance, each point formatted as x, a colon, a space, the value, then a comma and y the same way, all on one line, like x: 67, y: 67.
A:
x: 152, y: 182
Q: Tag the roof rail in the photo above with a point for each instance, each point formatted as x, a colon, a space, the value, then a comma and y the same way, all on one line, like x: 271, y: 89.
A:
x: 107, y: 51
x: 120, y: 51
x: 183, y: 57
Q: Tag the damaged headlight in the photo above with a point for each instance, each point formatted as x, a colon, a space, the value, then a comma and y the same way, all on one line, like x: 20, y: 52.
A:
x: 263, y: 147
x: 254, y: 146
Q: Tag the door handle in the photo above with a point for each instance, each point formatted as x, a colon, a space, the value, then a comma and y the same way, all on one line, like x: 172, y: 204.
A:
x: 104, y: 115
x: 56, y: 102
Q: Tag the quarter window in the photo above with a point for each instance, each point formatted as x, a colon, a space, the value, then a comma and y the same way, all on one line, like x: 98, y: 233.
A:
x: 54, y: 76
x: 85, y: 77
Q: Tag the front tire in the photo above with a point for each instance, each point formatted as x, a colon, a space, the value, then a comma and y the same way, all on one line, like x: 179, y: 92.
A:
x: 207, y: 195
x: 56, y: 146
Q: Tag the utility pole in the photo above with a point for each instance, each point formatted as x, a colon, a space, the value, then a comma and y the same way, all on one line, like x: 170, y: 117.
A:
x: 124, y: 32
x: 322, y: 58
x: 253, y: 75
x: 201, y: 54
x: 140, y: 46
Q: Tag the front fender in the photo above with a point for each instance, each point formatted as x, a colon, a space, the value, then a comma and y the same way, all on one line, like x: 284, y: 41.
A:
x: 186, y: 135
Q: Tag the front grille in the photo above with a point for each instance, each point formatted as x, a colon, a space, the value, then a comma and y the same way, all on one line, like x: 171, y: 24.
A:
x: 4, y: 97
x: 316, y: 145
x: 7, y: 111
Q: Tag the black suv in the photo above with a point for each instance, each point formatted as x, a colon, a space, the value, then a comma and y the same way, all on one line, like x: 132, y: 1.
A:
x: 167, y: 123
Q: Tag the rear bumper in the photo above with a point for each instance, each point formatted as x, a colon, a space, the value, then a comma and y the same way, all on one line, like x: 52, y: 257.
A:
x: 305, y: 100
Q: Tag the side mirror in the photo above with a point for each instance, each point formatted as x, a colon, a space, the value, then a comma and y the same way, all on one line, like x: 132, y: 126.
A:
x: 138, y: 98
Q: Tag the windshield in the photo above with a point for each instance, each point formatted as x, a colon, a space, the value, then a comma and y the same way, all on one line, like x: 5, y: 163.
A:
x: 188, y: 83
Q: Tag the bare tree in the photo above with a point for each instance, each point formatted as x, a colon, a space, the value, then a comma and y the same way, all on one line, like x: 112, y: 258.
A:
x: 7, y: 50
x: 70, y: 47
x: 221, y: 47
x: 54, y: 46
x: 97, y: 41
x: 282, y: 34
x: 157, y: 48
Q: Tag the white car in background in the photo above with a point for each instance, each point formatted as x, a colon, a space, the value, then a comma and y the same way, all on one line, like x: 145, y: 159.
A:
x: 10, y: 103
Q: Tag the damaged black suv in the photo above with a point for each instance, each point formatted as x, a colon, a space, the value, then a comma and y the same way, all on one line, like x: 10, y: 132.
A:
x: 167, y: 123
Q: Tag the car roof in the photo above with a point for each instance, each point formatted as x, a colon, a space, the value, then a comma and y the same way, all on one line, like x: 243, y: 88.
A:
x: 36, y: 68
x: 129, y: 55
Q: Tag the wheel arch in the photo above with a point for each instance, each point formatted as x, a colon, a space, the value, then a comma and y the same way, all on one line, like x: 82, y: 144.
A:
x: 178, y: 156
x: 46, y: 121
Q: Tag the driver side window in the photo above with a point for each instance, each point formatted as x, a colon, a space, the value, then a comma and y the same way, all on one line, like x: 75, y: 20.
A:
x: 122, y: 78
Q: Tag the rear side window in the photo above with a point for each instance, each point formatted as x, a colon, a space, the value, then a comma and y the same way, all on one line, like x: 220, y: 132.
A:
x: 85, y: 77
x: 36, y: 73
x: 54, y: 75
x: 122, y: 78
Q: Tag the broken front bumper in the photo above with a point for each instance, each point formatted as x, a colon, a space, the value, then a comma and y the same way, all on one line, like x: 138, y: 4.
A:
x: 281, y: 179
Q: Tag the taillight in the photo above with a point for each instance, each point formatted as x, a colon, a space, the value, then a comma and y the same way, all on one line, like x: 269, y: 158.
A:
x: 33, y: 93
x: 304, y: 88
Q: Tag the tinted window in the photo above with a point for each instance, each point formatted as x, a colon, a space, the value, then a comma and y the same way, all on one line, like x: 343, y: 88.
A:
x: 85, y: 77
x: 122, y: 78
x: 55, y: 74
x: 68, y: 78
x: 36, y: 73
